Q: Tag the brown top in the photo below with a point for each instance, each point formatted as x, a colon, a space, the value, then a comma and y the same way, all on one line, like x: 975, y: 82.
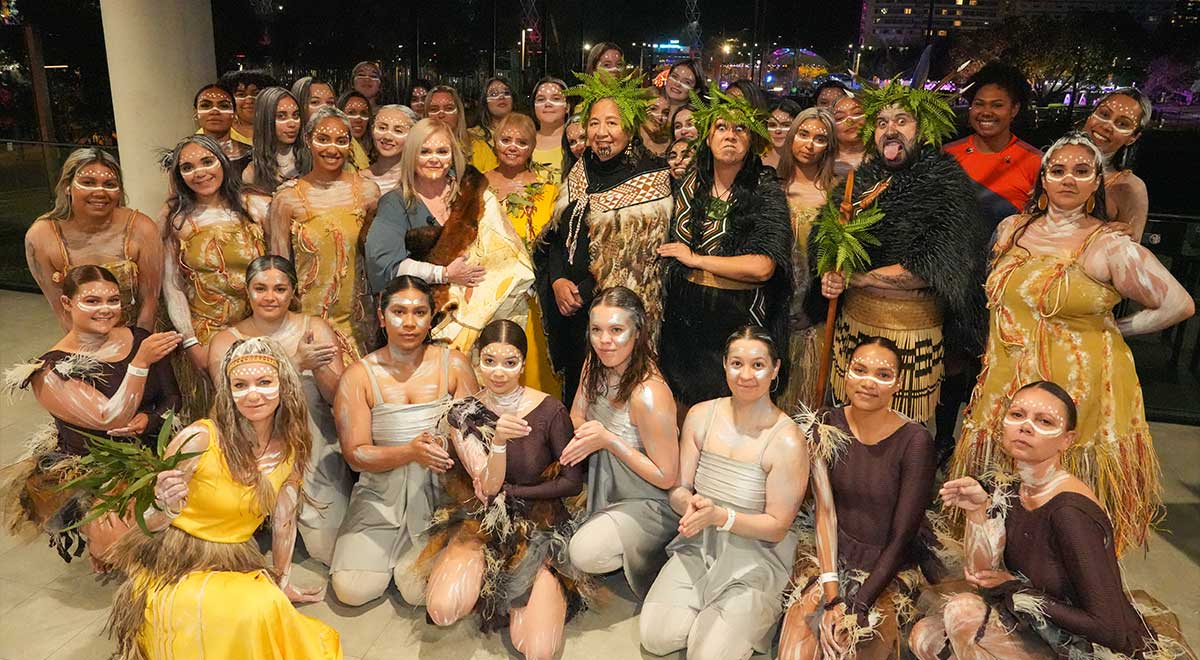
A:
x: 160, y: 394
x: 529, y: 457
x: 1065, y: 549
x: 880, y: 493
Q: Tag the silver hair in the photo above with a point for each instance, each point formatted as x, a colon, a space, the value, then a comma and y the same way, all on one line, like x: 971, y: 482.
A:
x: 402, y: 108
x: 1078, y: 138
x: 322, y: 113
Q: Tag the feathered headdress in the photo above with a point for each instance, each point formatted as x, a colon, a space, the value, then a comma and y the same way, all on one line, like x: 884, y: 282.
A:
x: 931, y: 109
x: 733, y: 109
x: 633, y: 101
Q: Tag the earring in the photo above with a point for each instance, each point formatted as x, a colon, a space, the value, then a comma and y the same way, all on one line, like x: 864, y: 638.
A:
x: 1043, y: 201
x: 774, y: 385
x: 1091, y: 204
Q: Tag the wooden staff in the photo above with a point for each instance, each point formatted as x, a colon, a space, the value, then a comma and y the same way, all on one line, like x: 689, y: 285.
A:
x: 845, y: 213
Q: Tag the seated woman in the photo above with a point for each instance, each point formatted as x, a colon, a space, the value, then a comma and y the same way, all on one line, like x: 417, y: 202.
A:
x: 198, y: 586
x: 508, y: 439
x: 1069, y: 600
x: 390, y: 406
x: 856, y: 587
x: 101, y: 379
x: 90, y: 224
x: 313, y: 349
x: 450, y: 228
x: 743, y: 468
x: 624, y: 414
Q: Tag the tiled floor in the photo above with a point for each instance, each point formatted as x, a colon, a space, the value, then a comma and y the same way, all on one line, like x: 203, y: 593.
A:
x: 51, y: 610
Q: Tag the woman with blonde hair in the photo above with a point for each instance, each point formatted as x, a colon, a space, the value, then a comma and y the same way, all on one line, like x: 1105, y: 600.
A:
x: 199, y: 586
x: 444, y: 226
x: 90, y: 224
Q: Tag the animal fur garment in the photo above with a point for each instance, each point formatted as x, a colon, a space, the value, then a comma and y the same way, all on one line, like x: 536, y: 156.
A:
x: 933, y: 228
x: 443, y: 244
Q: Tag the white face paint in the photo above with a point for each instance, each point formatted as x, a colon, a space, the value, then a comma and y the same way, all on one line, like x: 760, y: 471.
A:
x: 501, y: 366
x: 1040, y: 418
x: 255, y: 389
x: 269, y: 392
x: 612, y: 331
x: 397, y: 320
x: 749, y: 369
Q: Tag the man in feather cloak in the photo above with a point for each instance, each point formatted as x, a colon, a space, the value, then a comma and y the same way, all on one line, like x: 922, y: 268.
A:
x: 924, y: 289
x: 610, y: 217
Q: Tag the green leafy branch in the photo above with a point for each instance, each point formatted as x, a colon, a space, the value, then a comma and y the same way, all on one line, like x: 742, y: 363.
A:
x: 841, y: 247
x: 118, y: 473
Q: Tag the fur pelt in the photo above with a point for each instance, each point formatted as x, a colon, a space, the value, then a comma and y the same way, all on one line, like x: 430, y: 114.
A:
x: 442, y: 245
x: 933, y: 227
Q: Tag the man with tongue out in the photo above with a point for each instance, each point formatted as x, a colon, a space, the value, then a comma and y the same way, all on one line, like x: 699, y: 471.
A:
x: 923, y: 289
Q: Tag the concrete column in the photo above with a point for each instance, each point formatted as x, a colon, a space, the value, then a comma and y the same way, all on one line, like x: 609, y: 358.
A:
x: 159, y: 54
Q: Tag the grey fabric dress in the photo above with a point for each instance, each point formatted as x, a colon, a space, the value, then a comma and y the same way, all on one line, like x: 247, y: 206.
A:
x: 389, y: 511
x: 640, y: 510
x: 742, y: 578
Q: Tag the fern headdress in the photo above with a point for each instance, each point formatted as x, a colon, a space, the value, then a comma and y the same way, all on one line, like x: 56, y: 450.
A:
x: 733, y: 109
x: 632, y: 99
x: 931, y: 109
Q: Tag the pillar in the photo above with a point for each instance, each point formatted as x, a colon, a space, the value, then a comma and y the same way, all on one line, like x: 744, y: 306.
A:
x: 159, y: 54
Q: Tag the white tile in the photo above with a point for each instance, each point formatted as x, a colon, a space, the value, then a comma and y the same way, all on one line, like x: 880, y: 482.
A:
x: 43, y: 624
x: 13, y: 594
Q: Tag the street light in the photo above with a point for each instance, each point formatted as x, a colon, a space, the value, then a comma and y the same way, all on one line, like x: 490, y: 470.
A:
x: 583, y: 57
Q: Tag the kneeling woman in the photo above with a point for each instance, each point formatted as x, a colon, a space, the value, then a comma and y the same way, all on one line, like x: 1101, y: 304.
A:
x: 198, y: 586
x: 1070, y: 600
x: 312, y: 347
x: 743, y: 471
x: 624, y: 414
x: 498, y: 541
x: 870, y: 507
x: 389, y: 410
x: 100, y: 379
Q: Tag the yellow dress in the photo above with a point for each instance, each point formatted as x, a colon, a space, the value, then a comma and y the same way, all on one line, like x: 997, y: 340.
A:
x: 551, y: 161
x: 225, y: 614
x: 125, y: 270
x: 329, y: 266
x: 482, y: 156
x: 213, y: 260
x: 528, y: 215
x: 358, y: 155
x: 1050, y: 321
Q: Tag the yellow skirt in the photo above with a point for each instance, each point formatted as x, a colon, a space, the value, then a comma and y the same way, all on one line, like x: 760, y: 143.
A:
x: 538, y: 373
x: 232, y: 616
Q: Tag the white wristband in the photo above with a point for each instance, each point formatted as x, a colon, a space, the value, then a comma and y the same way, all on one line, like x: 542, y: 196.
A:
x: 831, y: 576
x: 137, y: 371
x: 188, y: 343
x: 498, y: 449
x: 732, y: 515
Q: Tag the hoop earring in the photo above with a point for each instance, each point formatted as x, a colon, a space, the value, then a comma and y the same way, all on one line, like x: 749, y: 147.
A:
x: 775, y: 385
x: 1091, y: 205
x: 1043, y: 201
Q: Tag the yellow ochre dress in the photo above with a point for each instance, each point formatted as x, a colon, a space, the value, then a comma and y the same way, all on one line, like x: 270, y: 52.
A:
x: 1049, y: 320
x: 329, y: 266
x: 124, y: 269
x: 206, y: 591
x: 480, y: 151
x: 529, y: 211
x: 213, y: 260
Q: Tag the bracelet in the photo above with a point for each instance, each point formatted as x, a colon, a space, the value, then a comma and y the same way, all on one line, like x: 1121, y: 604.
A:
x: 831, y: 576
x: 838, y: 600
x: 137, y: 371
x: 188, y: 343
x: 162, y: 508
x: 732, y: 515
x: 497, y: 449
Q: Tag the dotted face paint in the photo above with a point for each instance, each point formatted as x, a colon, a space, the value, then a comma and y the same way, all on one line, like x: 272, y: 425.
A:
x: 104, y: 179
x: 253, y: 371
x: 269, y: 392
x: 332, y: 137
x: 91, y: 309
x: 865, y: 364
x: 510, y: 143
x: 502, y: 358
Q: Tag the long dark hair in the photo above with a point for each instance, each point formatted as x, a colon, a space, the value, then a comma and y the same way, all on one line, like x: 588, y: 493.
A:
x: 1059, y: 393
x: 182, y: 201
x: 86, y: 274
x: 485, y: 113
x: 754, y: 333
x: 744, y: 184
x: 701, y: 86
x: 1121, y: 157
x: 266, y: 168
x: 643, y: 362
x: 405, y: 283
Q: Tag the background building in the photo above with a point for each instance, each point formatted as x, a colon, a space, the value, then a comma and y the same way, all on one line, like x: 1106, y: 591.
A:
x: 910, y: 22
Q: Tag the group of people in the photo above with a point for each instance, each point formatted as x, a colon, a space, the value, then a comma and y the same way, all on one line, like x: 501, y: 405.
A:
x: 491, y: 364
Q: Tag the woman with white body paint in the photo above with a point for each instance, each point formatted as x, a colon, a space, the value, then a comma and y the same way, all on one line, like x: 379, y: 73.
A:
x: 100, y: 379
x: 498, y: 544
x: 389, y: 410
x: 313, y: 348
x: 624, y: 417
x: 743, y: 469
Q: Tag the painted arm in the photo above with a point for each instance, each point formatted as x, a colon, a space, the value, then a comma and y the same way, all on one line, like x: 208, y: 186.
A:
x: 171, y: 487
x: 652, y: 410
x: 279, y: 224
x: 77, y: 403
x: 485, y: 468
x: 173, y: 293
x: 826, y: 525
x: 1138, y: 275
x: 787, y: 464
x: 39, y: 245
x: 150, y: 268
x: 329, y: 375
x: 689, y: 455
x: 352, y: 414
